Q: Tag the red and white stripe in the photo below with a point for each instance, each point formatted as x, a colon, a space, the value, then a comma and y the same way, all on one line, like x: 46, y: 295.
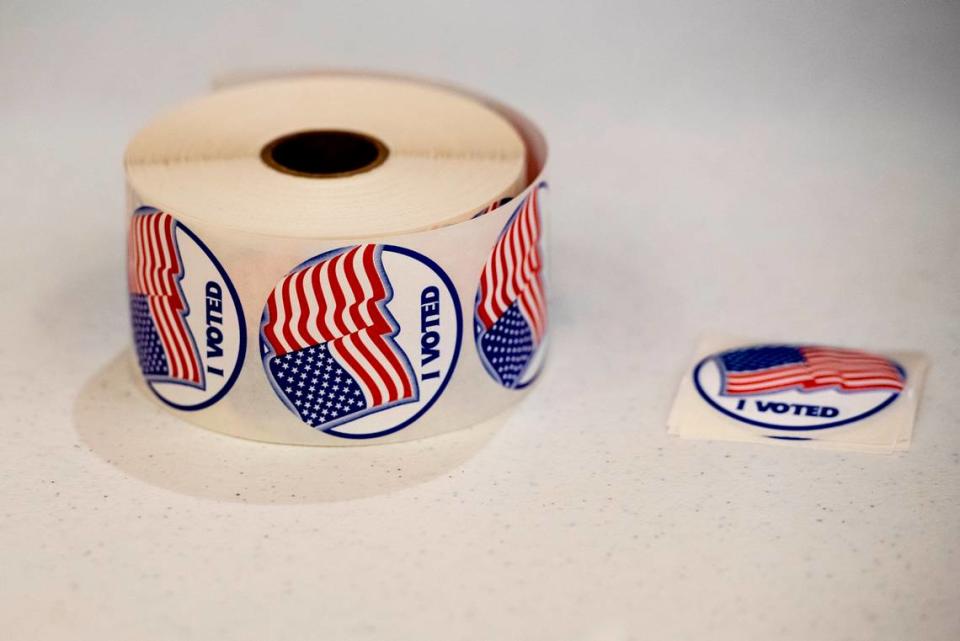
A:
x: 492, y: 206
x: 154, y: 270
x: 339, y: 302
x: 513, y: 272
x: 848, y: 370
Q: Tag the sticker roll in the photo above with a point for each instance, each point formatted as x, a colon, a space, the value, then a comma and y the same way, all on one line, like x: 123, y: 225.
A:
x: 337, y: 259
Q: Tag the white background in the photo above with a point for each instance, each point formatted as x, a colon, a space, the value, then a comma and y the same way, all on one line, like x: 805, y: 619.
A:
x: 780, y: 170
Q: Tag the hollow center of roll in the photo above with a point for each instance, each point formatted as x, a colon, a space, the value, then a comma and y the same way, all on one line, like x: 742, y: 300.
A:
x: 326, y: 153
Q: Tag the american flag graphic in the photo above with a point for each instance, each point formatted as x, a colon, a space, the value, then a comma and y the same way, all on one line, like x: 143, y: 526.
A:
x: 511, y: 312
x: 165, y: 346
x: 330, y: 340
x: 774, y: 368
x: 492, y: 206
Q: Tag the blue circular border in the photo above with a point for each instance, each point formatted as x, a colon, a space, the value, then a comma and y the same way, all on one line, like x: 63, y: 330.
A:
x: 853, y: 419
x: 456, y: 348
x: 241, y: 354
x: 476, y: 299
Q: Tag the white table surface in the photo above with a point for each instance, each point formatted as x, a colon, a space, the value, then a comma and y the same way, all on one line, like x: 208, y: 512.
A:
x: 784, y: 171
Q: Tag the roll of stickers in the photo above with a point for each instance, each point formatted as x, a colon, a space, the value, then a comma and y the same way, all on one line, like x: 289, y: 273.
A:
x: 337, y: 259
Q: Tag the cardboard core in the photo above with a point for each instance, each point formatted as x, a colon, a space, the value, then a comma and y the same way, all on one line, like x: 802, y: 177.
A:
x: 324, y: 153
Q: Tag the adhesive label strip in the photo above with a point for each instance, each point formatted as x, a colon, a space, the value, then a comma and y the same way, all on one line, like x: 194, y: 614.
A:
x: 799, y: 394
x: 304, y: 265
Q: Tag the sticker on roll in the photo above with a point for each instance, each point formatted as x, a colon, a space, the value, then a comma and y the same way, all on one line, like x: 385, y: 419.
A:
x: 338, y: 259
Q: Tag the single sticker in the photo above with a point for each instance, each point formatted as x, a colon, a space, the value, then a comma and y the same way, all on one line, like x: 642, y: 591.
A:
x: 359, y: 342
x: 187, y: 320
x: 510, y: 312
x: 798, y: 387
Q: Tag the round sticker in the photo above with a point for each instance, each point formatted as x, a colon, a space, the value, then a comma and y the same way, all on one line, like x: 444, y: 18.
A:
x: 187, y: 320
x: 359, y: 342
x: 798, y: 387
x: 510, y: 311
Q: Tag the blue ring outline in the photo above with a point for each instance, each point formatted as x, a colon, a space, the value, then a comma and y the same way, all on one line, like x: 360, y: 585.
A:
x: 543, y: 184
x: 267, y: 353
x: 409, y: 253
x: 241, y: 354
x: 750, y: 421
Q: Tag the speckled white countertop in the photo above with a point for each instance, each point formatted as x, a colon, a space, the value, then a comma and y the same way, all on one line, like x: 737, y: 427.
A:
x: 774, y: 171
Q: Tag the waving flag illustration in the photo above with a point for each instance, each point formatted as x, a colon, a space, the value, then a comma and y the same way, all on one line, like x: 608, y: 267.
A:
x: 511, y: 310
x: 330, y: 340
x: 165, y: 346
x: 492, y: 206
x: 757, y: 370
